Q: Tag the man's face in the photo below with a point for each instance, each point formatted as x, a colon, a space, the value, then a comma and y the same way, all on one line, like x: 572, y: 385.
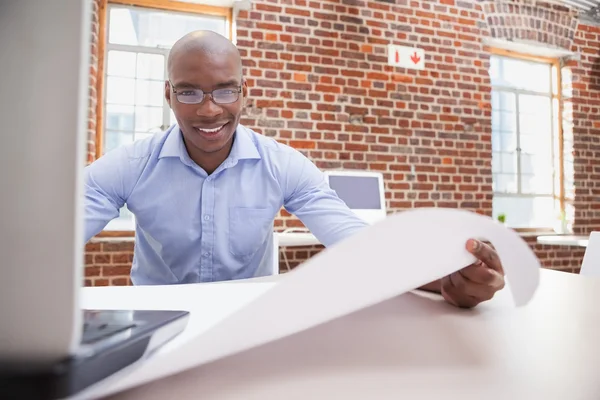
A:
x: 208, y: 126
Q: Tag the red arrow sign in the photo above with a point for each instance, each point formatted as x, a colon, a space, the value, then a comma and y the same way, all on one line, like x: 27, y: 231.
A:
x: 397, y: 56
x: 415, y: 58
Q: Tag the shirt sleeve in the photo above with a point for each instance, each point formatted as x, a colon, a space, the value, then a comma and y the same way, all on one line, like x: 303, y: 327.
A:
x: 309, y: 197
x: 108, y: 183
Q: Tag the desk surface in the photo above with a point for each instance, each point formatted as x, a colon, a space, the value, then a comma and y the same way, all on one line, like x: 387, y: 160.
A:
x: 418, y: 346
x: 296, y: 239
x: 564, y: 240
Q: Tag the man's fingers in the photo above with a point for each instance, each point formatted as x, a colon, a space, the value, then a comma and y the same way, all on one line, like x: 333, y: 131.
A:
x: 486, y: 254
x: 461, y: 285
x: 480, y: 274
x: 454, y: 290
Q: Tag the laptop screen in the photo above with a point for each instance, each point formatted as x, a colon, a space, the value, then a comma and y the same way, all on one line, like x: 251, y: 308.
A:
x: 358, y: 192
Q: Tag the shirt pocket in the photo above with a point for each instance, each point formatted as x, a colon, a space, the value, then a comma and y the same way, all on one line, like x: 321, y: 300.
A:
x: 248, y: 230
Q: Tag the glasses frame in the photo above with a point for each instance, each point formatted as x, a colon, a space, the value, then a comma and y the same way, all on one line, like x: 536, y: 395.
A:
x: 238, y: 90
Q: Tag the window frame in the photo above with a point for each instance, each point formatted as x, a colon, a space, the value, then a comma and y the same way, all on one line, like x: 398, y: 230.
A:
x: 102, y: 45
x: 558, y: 195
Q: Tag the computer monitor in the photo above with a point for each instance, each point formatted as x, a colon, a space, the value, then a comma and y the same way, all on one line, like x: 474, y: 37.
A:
x: 362, y: 191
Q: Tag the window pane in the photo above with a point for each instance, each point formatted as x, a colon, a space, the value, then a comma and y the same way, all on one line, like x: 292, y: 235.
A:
x: 508, y: 121
x: 151, y: 66
x: 538, y: 125
x: 524, y: 75
x: 149, y: 93
x: 536, y: 184
x: 496, y: 141
x: 121, y: 63
x: 114, y: 139
x: 505, y: 183
x: 496, y: 163
x: 148, y: 119
x: 120, y: 91
x: 155, y: 28
x: 119, y: 118
x: 503, y: 101
x: 525, y: 212
x: 535, y: 105
x: 509, y: 162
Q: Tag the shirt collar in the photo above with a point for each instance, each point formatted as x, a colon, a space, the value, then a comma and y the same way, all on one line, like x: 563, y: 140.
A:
x: 243, y: 146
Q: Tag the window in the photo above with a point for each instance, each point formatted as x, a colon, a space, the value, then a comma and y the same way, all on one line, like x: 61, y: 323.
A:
x: 526, y: 158
x: 137, y: 44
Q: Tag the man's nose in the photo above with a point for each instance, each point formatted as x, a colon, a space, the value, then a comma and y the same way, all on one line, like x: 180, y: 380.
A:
x: 208, y: 108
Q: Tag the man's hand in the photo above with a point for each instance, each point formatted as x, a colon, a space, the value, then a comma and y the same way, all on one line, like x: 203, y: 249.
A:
x: 476, y: 283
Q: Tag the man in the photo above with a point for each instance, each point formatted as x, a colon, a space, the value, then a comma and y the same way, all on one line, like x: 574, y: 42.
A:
x: 205, y: 193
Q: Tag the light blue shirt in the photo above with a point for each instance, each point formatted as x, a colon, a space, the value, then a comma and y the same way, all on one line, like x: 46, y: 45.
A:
x: 193, y: 227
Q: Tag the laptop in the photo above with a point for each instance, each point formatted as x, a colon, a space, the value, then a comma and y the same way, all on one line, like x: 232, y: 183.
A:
x: 362, y: 191
x: 50, y: 347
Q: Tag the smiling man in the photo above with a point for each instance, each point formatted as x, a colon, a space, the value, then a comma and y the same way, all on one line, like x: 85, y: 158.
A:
x: 205, y: 193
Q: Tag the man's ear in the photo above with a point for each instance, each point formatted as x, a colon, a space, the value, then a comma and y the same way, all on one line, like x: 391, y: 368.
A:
x: 168, y: 92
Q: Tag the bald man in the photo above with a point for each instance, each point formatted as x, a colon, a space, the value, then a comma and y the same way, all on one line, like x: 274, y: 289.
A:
x: 206, y: 191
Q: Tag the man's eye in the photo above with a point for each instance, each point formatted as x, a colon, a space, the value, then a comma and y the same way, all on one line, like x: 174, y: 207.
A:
x: 188, y: 93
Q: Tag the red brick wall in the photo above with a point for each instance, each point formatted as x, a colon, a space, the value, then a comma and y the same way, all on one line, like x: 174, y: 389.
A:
x: 319, y: 81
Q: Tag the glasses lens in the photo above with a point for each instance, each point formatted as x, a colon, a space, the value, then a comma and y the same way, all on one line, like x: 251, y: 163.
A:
x: 225, y: 96
x: 190, y: 96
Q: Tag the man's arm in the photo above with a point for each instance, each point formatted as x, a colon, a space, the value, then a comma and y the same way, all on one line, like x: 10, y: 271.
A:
x: 107, y: 186
x: 309, y: 197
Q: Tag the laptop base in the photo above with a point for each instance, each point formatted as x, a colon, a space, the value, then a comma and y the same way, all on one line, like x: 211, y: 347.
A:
x: 100, y: 355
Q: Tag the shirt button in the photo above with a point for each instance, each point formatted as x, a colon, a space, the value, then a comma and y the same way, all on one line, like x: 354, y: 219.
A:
x: 206, y: 217
x: 206, y: 254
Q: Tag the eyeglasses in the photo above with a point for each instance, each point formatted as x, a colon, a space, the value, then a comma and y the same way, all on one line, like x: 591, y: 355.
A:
x: 196, y: 96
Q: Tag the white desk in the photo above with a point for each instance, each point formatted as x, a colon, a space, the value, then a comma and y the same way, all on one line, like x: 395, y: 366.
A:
x: 549, y: 349
x: 563, y: 240
x: 294, y: 239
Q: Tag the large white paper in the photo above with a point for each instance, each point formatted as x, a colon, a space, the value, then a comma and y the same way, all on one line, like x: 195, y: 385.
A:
x: 397, y: 255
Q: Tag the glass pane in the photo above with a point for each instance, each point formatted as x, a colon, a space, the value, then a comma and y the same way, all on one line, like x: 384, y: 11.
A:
x: 120, y: 91
x: 535, y: 184
x: 119, y: 118
x: 149, y: 93
x: 495, y: 120
x: 172, y: 120
x: 537, y: 124
x: 505, y: 101
x: 508, y: 142
x: 526, y: 75
x: 508, y: 121
x: 121, y: 63
x: 496, y: 163
x: 114, y: 139
x: 525, y: 212
x: 505, y: 183
x: 151, y: 66
x: 532, y: 104
x: 155, y: 28
x: 540, y: 165
x: 496, y: 141
x: 509, y: 162
x: 148, y: 119
x: 534, y: 144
